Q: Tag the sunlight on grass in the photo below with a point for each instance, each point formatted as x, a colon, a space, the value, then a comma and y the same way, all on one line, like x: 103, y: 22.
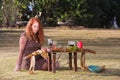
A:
x: 105, y: 42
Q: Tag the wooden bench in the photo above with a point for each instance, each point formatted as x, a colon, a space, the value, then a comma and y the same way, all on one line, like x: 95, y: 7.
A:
x: 67, y: 23
x: 21, y: 23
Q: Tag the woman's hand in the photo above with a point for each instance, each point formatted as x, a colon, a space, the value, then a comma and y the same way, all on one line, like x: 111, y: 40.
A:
x: 17, y: 68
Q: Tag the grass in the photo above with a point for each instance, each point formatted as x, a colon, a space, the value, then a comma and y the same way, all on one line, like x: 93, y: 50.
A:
x: 105, y: 42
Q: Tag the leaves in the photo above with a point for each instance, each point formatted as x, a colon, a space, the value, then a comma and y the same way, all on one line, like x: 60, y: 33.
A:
x: 73, y: 48
x: 89, y: 13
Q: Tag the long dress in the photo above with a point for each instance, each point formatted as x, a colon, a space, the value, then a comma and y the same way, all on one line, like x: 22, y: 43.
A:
x: 31, y: 46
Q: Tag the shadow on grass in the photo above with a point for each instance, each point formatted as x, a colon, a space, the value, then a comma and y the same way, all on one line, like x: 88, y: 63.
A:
x: 108, y: 42
x: 107, y: 72
x: 66, y: 68
x: 111, y: 72
x: 11, y: 31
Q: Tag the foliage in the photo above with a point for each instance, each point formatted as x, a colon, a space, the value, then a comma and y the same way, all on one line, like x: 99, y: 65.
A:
x: 89, y: 13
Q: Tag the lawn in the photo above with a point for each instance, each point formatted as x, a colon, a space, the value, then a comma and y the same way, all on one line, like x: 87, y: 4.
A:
x: 105, y: 42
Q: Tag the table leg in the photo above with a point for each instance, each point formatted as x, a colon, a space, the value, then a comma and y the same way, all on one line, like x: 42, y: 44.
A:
x: 70, y: 61
x: 53, y: 63
x: 49, y: 62
x: 75, y: 61
x: 83, y: 60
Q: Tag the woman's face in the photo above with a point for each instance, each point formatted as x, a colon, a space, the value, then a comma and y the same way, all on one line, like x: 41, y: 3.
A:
x: 35, y: 27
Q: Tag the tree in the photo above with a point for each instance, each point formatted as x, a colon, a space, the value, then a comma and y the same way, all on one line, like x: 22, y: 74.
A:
x: 89, y: 13
x: 48, y: 11
x: 8, y: 13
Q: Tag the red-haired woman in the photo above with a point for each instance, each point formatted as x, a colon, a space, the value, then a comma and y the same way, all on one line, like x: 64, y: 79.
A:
x: 31, y: 40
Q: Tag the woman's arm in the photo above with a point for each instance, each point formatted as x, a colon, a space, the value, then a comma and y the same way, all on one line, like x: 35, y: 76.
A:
x: 22, y: 43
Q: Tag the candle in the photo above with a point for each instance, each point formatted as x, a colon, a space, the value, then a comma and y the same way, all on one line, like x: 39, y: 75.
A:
x: 80, y: 44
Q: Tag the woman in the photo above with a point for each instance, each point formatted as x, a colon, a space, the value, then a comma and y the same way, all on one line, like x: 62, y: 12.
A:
x: 31, y: 40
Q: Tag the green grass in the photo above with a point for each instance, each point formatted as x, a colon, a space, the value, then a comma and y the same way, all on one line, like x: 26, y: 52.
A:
x: 105, y: 42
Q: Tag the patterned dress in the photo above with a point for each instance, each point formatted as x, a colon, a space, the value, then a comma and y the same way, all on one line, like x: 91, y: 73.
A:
x: 31, y: 46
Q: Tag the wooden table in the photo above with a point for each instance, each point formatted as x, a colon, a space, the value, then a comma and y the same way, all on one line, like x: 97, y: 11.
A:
x: 52, y: 58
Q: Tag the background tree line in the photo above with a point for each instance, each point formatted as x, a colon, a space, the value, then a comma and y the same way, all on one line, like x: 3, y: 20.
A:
x: 88, y: 13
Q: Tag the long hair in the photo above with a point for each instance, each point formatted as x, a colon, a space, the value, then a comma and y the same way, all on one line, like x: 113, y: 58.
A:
x: 39, y: 36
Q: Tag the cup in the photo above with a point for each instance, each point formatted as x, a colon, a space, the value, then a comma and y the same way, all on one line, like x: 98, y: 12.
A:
x: 50, y: 42
x: 80, y: 44
x: 71, y: 43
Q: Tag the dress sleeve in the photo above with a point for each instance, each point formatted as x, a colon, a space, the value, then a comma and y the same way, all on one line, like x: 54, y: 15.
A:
x: 22, y: 43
